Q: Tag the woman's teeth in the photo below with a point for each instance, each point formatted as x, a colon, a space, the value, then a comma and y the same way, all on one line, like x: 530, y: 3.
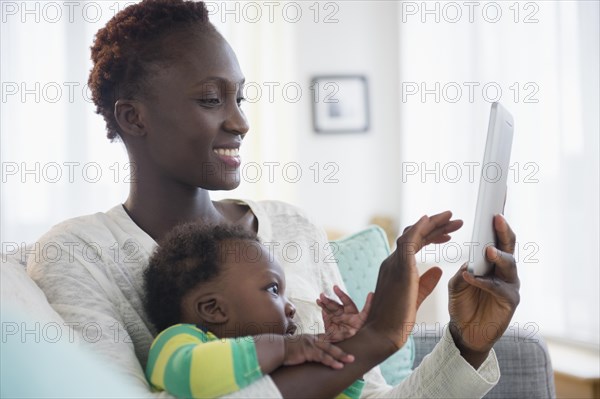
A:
x: 230, y: 152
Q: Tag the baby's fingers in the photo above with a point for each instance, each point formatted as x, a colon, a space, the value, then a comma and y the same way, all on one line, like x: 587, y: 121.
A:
x: 329, y: 305
x: 331, y: 355
x: 347, y: 302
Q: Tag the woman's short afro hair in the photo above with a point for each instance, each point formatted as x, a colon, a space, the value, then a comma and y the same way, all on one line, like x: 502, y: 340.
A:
x: 126, y: 49
x: 188, y: 255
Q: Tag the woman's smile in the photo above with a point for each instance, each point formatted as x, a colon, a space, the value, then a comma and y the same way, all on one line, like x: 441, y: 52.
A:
x: 229, y: 156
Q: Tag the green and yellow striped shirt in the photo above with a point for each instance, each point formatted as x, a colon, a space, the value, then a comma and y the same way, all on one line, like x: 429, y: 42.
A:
x: 190, y: 363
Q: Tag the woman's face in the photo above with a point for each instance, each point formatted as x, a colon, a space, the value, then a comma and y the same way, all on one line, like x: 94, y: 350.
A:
x: 192, y: 117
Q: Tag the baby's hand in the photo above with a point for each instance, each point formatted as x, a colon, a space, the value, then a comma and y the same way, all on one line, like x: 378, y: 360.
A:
x: 343, y: 320
x: 313, y: 348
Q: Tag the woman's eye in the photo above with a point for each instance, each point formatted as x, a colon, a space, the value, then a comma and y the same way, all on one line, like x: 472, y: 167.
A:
x: 240, y: 100
x: 273, y: 289
x: 209, y: 101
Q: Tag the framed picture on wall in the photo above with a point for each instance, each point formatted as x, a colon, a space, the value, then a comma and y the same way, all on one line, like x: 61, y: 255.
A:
x: 340, y: 103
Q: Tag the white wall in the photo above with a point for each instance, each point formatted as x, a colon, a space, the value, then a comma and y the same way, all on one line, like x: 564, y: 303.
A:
x: 364, y: 41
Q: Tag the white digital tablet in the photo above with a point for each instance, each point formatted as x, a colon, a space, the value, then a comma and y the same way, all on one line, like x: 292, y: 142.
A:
x: 492, y: 187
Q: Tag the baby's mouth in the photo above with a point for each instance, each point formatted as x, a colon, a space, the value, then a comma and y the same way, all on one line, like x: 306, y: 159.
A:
x: 291, y: 329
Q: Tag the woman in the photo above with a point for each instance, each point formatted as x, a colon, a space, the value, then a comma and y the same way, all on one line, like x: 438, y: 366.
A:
x: 170, y: 87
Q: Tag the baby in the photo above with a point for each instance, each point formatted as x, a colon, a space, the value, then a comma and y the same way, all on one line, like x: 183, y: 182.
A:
x: 218, y: 297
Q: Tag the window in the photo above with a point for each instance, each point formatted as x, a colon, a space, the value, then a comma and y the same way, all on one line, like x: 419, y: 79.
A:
x: 544, y: 69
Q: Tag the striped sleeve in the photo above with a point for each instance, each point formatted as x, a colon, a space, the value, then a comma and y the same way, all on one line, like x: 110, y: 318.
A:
x: 187, y: 362
x: 353, y: 391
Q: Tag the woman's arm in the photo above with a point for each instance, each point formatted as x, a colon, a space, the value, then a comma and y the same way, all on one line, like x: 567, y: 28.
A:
x: 398, y: 294
x: 314, y: 380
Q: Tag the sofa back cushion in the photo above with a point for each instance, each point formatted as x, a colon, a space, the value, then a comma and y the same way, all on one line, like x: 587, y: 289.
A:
x: 359, y: 257
x: 19, y: 292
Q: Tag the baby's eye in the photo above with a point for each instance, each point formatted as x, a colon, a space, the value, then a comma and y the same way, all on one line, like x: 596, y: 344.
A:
x: 273, y: 289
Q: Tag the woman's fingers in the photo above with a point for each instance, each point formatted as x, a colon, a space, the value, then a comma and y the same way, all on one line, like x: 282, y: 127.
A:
x: 457, y: 282
x: 441, y: 218
x: 495, y: 286
x: 502, y: 283
x: 505, y: 266
x: 427, y: 230
x: 441, y: 239
x: 427, y: 283
x: 413, y: 239
x: 442, y: 232
x: 504, y: 234
x: 367, y: 308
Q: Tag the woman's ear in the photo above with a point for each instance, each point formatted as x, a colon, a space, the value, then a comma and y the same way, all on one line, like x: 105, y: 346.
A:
x: 128, y: 116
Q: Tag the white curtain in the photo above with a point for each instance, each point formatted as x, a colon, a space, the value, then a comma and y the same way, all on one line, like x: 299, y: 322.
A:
x: 540, y: 59
x: 57, y: 162
x: 264, y: 46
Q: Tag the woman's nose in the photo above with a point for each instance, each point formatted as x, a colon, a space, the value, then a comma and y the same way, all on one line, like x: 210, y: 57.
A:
x: 236, y: 121
x: 290, y: 309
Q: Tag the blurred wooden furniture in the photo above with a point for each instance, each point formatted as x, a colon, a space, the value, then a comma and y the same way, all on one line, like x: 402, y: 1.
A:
x: 576, y: 371
x: 570, y: 386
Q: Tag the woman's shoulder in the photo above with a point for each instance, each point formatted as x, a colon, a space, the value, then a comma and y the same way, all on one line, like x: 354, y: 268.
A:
x: 90, y: 247
x: 276, y: 208
x: 95, y: 227
x: 270, y: 209
x: 286, y: 218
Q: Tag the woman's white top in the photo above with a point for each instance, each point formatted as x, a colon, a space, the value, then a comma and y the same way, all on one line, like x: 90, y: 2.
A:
x: 91, y: 270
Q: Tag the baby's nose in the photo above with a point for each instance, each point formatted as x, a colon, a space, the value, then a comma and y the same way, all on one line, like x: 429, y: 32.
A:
x: 290, y: 309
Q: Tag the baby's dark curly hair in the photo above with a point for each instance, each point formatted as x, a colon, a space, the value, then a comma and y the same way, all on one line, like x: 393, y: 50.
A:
x: 131, y: 45
x: 187, y: 256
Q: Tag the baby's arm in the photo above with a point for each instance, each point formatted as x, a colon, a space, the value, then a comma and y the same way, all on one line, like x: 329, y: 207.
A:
x: 187, y: 362
x: 343, y: 320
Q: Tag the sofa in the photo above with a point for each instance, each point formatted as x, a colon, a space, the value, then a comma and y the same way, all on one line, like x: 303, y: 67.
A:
x: 38, y: 358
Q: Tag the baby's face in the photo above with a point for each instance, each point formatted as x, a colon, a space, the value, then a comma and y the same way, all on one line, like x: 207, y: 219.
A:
x: 254, y: 284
